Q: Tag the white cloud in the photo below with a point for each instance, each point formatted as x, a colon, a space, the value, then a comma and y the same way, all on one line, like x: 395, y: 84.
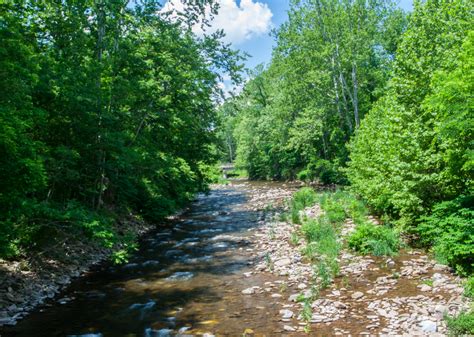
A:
x: 240, y: 22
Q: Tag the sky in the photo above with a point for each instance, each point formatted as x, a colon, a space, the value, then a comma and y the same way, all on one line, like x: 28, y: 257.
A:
x: 248, y: 23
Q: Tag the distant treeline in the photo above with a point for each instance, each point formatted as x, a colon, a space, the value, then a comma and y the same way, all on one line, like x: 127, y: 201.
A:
x: 360, y: 93
x: 106, y: 108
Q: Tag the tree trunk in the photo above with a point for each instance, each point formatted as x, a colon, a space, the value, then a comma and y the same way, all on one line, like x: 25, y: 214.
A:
x: 355, y: 100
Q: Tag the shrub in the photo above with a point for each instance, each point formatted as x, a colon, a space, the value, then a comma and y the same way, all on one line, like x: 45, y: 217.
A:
x: 469, y: 287
x: 463, y: 324
x: 450, y: 230
x: 303, y: 198
x: 373, y: 239
x: 327, y: 172
x: 341, y: 205
x: 322, y: 248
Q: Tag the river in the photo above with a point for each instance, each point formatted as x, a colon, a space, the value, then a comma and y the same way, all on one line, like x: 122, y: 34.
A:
x: 186, y: 279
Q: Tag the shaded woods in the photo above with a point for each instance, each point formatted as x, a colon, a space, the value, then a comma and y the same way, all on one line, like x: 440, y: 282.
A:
x: 360, y: 93
x: 107, y: 108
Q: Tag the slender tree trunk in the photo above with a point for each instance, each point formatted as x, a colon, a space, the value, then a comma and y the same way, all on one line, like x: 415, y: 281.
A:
x: 100, y: 45
x: 355, y: 100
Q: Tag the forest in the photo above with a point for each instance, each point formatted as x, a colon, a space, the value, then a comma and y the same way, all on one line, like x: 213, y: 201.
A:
x: 107, y: 109
x: 113, y: 120
x: 363, y: 95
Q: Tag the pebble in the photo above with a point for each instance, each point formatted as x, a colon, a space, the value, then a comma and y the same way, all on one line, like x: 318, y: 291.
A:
x: 288, y: 328
x: 286, y: 313
x: 428, y: 326
x: 357, y: 295
x: 248, y: 291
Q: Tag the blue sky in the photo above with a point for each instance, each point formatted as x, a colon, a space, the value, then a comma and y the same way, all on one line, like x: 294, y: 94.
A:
x: 259, y: 46
x: 247, y: 24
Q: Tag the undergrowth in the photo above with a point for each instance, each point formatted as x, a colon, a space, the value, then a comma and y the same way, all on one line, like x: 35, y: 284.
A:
x: 374, y: 239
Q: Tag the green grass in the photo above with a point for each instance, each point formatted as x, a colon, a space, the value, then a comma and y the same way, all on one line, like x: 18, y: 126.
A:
x: 294, y: 239
x: 428, y: 282
x: 463, y: 324
x: 237, y: 173
x: 304, y: 197
x: 374, y: 239
x: 341, y: 205
x: 469, y: 287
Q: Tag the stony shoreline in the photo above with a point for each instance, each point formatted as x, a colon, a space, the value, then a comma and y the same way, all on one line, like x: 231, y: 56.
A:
x: 29, y: 282
x: 409, y: 294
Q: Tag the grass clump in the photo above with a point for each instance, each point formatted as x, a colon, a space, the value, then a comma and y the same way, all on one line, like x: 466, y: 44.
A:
x: 321, y: 237
x: 462, y: 324
x: 449, y: 229
x: 322, y: 248
x: 341, y: 205
x: 469, y: 287
x: 303, y: 198
x: 375, y: 240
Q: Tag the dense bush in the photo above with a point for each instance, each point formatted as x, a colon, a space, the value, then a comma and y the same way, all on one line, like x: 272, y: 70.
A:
x: 450, y: 230
x: 375, y: 240
x: 414, y: 147
x: 462, y: 324
x: 106, y: 109
x: 301, y: 199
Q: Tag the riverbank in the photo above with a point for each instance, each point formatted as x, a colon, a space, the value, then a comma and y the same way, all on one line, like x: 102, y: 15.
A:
x: 31, y: 281
x: 406, y: 294
x: 231, y: 266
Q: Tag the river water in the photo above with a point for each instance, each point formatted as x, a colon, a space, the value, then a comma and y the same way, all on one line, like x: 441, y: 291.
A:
x: 186, y: 279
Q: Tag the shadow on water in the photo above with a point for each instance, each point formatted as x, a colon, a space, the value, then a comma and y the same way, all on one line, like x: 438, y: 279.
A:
x: 184, y: 275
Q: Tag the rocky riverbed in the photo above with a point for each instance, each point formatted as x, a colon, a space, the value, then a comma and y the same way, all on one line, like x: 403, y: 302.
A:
x: 229, y: 267
x: 31, y: 281
x: 409, y: 294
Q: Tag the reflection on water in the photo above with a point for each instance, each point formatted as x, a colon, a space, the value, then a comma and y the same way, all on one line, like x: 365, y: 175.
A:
x: 186, y: 279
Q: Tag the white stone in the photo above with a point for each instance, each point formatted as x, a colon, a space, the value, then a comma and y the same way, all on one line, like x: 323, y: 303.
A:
x: 428, y: 326
x: 285, y: 313
x: 248, y: 291
x: 357, y: 295
x: 425, y: 287
x: 288, y: 328
x: 282, y: 263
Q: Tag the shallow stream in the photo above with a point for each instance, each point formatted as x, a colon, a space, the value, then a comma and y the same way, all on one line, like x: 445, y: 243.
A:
x: 186, y: 279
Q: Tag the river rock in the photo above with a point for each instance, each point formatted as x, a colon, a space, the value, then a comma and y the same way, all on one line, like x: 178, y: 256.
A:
x: 248, y: 291
x: 282, y: 263
x: 180, y: 276
x: 288, y: 328
x: 428, y: 326
x: 425, y: 287
x: 357, y: 295
x: 158, y: 333
x: 302, y: 286
x: 285, y: 313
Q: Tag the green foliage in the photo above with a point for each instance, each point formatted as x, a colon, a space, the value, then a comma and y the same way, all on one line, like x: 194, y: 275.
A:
x: 469, y: 287
x: 106, y: 109
x: 294, y: 117
x: 304, y: 197
x: 463, y: 324
x: 414, y: 147
x: 341, y: 205
x: 375, y: 240
x: 412, y: 156
x: 294, y: 239
x: 322, y: 248
x: 449, y: 229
